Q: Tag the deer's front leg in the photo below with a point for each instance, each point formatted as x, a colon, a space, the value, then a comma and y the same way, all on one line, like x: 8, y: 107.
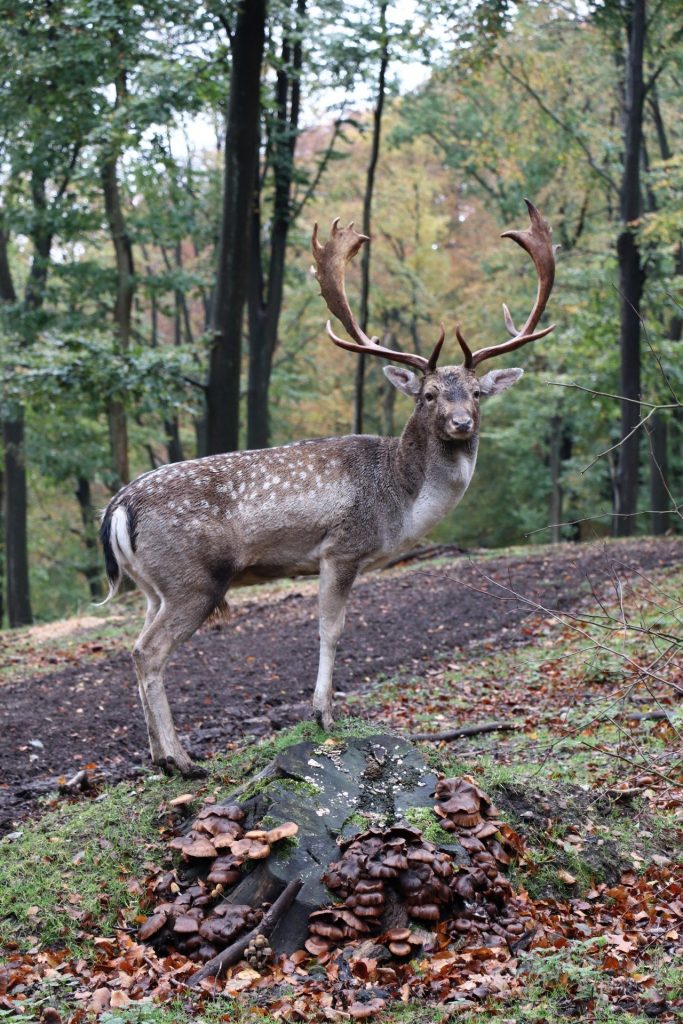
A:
x: 336, y: 580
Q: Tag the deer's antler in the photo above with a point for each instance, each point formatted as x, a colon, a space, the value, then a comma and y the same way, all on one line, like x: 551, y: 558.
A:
x: 537, y: 240
x: 331, y: 259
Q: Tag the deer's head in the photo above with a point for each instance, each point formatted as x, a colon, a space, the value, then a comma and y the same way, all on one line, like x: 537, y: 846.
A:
x: 447, y: 397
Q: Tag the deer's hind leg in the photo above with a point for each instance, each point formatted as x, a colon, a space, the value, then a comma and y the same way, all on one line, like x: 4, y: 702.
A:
x: 153, y: 607
x: 177, y: 618
x: 336, y: 580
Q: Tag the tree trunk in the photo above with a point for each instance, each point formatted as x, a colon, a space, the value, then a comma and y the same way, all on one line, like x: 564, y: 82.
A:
x: 2, y: 547
x: 660, y: 500
x: 123, y: 306
x: 631, y: 277
x: 241, y: 162
x: 556, y: 445
x: 91, y: 571
x: 264, y: 317
x: 367, y: 215
x: 15, y: 497
x: 16, y: 531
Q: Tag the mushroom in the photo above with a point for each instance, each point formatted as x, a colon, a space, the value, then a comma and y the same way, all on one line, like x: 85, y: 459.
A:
x: 284, y: 831
x: 152, y: 925
x: 216, y: 826
x: 231, y: 811
x: 400, y: 948
x: 224, y: 840
x: 254, y: 849
x: 317, y: 946
x: 185, y: 925
x: 423, y: 911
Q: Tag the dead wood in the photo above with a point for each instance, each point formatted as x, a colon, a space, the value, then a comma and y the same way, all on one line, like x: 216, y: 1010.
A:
x: 232, y: 954
x: 466, y: 730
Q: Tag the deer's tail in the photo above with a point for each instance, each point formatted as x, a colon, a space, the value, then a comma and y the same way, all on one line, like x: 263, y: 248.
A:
x: 115, y: 539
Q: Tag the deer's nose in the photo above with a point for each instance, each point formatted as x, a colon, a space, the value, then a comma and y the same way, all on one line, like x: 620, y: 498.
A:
x: 461, y: 425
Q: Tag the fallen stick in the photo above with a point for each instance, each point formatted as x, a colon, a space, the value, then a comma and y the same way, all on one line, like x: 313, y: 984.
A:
x: 269, y: 772
x: 232, y: 954
x: 428, y: 551
x: 466, y: 730
x: 645, y: 716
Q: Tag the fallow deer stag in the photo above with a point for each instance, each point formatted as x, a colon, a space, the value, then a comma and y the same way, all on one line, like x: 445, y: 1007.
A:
x: 187, y: 532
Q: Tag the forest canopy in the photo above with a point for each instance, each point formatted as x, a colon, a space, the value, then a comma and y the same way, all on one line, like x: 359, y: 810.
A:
x: 161, y: 168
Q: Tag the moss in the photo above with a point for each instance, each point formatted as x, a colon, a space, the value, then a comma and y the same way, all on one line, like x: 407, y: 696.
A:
x: 425, y: 819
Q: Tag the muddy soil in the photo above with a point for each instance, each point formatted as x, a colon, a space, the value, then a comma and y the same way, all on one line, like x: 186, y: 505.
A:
x: 256, y: 674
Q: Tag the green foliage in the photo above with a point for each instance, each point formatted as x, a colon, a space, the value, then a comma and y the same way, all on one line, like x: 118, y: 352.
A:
x: 518, y: 100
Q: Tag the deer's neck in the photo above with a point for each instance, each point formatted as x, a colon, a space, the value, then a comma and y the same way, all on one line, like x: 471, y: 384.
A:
x: 432, y: 476
x: 424, y: 461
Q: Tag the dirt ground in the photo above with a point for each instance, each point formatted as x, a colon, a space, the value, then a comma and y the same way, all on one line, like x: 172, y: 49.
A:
x: 256, y: 675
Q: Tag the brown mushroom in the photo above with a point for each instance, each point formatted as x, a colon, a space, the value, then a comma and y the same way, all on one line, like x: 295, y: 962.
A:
x: 400, y: 948
x: 317, y: 946
x: 220, y: 826
x: 396, y: 860
x: 232, y: 811
x: 284, y: 831
x: 224, y: 840
x: 253, y: 849
x: 152, y: 925
x: 183, y: 800
x: 424, y: 911
x: 185, y: 925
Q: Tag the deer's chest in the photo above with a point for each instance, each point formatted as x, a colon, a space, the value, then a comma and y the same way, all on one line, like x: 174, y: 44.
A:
x: 437, y: 497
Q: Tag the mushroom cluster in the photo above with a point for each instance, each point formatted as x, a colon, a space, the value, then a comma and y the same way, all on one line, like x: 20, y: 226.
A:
x: 398, y: 856
x: 475, y: 900
x: 193, y: 915
x: 491, y: 911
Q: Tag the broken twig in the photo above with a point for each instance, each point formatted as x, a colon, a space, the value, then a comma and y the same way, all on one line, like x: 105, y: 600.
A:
x: 232, y: 954
x: 466, y: 730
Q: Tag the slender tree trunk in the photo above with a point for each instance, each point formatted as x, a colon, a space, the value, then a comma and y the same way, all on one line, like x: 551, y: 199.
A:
x: 15, y: 514
x: 125, y: 286
x: 15, y: 497
x: 2, y: 547
x: 631, y: 277
x: 556, y: 493
x: 367, y: 214
x: 92, y: 571
x: 659, y: 496
x: 241, y: 162
x: 264, y: 316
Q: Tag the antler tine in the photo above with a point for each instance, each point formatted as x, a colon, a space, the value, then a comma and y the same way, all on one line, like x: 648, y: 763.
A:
x: 537, y: 241
x: 331, y: 259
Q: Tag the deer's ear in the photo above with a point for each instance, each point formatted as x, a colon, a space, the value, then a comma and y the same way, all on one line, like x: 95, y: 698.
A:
x: 495, y: 381
x: 406, y: 381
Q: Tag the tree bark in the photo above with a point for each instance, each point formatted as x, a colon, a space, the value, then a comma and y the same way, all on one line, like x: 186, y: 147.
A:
x: 264, y: 315
x: 660, y: 500
x: 15, y: 514
x: 241, y: 162
x: 91, y: 571
x: 125, y: 286
x: 367, y: 215
x: 556, y: 495
x: 631, y: 276
x: 15, y: 497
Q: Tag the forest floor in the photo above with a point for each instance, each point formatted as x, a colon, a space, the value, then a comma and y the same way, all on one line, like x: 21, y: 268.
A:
x: 577, y: 650
x: 69, y: 699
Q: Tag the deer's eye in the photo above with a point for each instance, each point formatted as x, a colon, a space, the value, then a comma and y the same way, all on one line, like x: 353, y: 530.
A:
x: 429, y: 397
x: 477, y: 393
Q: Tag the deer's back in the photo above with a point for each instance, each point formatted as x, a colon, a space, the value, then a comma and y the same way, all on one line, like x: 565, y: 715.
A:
x: 263, y: 514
